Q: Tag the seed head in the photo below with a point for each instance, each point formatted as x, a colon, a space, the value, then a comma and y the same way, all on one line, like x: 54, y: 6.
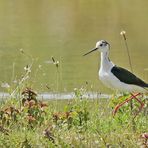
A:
x: 122, y: 33
x: 22, y: 51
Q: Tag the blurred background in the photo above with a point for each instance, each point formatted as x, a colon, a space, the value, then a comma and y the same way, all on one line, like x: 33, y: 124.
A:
x: 66, y: 30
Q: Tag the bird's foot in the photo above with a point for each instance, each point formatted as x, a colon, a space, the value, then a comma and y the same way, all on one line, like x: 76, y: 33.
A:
x: 133, y: 96
x: 140, y: 108
x: 121, y: 104
x: 116, y: 109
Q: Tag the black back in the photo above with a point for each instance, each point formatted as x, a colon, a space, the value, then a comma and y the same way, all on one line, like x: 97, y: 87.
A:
x: 127, y: 77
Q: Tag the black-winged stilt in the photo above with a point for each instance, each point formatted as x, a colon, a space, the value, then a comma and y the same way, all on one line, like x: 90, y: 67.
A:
x: 118, y: 78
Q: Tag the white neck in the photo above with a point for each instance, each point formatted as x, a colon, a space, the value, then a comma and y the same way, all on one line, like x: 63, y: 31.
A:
x: 106, y: 64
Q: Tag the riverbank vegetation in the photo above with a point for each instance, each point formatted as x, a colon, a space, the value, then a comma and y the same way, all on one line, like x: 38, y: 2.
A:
x: 80, y: 122
x: 27, y: 121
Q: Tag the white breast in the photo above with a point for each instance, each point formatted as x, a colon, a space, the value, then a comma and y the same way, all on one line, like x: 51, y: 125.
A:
x: 107, y: 78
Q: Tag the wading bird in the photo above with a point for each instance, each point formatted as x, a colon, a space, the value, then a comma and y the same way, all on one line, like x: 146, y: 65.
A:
x: 118, y: 78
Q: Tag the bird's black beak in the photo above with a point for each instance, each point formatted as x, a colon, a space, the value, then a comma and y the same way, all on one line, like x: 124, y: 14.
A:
x: 90, y: 51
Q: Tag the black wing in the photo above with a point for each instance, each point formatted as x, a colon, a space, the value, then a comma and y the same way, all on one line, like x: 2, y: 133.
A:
x: 127, y: 77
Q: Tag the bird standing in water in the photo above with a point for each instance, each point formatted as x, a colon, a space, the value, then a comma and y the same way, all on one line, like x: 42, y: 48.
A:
x: 118, y: 78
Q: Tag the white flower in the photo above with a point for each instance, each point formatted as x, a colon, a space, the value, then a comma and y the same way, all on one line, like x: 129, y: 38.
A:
x: 15, y: 81
x: 25, y: 78
x: 97, y: 142
x: 75, y: 89
x: 27, y: 68
x: 122, y: 32
x: 40, y: 66
x: 21, y: 50
x: 5, y: 85
x: 57, y: 62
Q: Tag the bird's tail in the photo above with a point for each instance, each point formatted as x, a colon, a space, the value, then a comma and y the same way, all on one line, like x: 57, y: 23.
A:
x: 146, y: 88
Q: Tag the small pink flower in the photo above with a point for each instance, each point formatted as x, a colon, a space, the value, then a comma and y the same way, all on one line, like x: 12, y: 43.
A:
x: 144, y: 135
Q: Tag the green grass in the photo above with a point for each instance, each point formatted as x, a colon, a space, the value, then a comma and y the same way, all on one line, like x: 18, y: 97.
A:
x: 78, y: 123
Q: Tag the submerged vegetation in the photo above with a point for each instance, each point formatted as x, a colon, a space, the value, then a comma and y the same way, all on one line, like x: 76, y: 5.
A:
x: 81, y: 122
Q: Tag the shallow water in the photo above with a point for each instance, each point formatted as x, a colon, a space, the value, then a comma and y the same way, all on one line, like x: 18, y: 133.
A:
x: 66, y: 30
x: 61, y: 96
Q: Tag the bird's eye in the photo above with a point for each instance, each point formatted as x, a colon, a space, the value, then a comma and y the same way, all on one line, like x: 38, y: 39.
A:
x: 101, y: 44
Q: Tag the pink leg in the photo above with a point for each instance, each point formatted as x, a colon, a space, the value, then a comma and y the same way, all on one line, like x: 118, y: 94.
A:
x: 142, y: 104
x: 127, y: 100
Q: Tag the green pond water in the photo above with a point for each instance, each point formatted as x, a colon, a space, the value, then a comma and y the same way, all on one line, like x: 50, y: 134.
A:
x: 66, y: 29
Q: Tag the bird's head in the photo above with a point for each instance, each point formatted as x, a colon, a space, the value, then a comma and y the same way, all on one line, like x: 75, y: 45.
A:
x: 102, y: 46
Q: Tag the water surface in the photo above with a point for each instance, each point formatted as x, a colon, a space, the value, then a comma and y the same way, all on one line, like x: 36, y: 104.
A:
x: 66, y: 30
